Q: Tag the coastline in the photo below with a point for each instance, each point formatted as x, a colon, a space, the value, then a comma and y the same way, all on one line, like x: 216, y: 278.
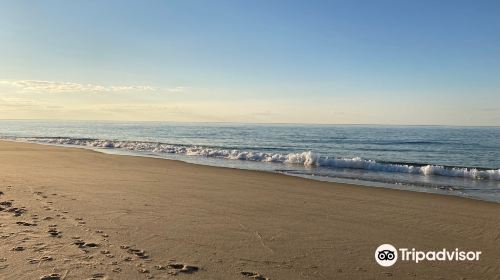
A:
x: 444, y: 184
x: 224, y: 221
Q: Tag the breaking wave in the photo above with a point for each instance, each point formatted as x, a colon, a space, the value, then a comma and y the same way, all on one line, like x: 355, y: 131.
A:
x: 307, y: 158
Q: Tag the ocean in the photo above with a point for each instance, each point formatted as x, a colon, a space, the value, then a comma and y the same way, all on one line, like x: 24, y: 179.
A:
x: 461, y: 161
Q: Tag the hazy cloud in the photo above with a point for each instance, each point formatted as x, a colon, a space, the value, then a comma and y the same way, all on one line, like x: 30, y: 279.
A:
x: 69, y: 87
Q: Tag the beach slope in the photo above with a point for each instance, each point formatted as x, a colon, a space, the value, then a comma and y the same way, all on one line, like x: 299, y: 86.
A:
x: 81, y: 214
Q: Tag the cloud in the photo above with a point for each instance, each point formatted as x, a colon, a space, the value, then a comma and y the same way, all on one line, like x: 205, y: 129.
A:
x: 11, y: 104
x: 70, y: 87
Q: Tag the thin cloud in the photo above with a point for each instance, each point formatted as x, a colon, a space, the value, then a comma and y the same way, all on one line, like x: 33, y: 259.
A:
x: 70, y: 87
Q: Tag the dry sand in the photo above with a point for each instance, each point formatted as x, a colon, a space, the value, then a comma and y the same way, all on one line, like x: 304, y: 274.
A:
x: 84, y: 214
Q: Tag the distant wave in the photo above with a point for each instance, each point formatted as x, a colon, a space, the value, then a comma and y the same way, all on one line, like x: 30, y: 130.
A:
x: 307, y: 158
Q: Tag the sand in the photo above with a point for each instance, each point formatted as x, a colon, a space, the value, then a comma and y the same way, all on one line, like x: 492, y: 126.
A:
x: 80, y: 214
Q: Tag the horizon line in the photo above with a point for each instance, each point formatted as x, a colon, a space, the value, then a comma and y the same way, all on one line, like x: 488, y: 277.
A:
x: 248, y: 123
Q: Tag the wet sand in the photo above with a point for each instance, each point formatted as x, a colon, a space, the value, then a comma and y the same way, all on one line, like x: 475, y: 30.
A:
x: 68, y: 213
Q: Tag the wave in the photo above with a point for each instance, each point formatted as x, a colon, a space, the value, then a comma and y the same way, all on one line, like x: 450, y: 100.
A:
x: 306, y: 158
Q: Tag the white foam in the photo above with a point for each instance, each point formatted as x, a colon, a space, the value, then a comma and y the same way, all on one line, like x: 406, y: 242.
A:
x: 304, y: 158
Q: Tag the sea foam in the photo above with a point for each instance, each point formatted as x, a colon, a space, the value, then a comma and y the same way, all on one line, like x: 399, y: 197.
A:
x: 306, y: 158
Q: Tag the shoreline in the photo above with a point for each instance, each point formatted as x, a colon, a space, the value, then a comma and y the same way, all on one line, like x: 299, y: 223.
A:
x: 223, y: 221
x: 403, y: 186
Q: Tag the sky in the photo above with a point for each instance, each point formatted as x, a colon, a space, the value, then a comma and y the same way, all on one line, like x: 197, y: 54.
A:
x: 334, y: 62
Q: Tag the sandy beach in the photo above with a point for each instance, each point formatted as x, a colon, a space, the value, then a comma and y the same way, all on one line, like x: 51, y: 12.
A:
x: 79, y: 214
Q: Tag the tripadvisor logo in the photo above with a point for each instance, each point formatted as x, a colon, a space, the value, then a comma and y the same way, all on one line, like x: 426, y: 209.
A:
x: 387, y: 255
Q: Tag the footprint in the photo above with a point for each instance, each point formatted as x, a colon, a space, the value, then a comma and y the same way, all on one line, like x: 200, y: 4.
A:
x: 91, y: 245
x: 143, y: 270
x: 139, y: 253
x: 53, y: 232
x: 82, y: 244
x: 53, y: 276
x: 26, y: 224
x: 18, y: 211
x: 98, y: 275
x: 254, y: 275
x: 6, y: 203
x: 18, y: 249
x: 183, y: 268
x: 42, y: 259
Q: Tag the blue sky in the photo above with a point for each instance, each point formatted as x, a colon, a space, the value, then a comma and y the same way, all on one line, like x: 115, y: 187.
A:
x: 387, y: 62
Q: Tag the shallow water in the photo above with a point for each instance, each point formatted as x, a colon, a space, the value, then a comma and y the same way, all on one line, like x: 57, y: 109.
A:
x: 463, y: 161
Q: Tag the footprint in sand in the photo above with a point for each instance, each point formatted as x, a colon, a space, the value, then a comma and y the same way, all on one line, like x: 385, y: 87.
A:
x: 97, y: 275
x: 18, y: 249
x: 107, y: 253
x: 143, y: 270
x: 7, y: 207
x: 254, y: 275
x: 139, y: 253
x: 17, y: 211
x: 6, y: 204
x: 42, y: 259
x: 82, y: 244
x: 182, y: 268
x: 116, y: 269
x: 53, y: 232
x: 26, y: 224
x: 53, y: 276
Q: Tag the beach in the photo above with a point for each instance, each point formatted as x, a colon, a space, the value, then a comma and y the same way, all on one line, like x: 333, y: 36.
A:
x: 81, y: 214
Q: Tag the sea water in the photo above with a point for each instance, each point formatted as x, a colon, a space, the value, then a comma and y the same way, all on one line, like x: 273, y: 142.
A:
x: 462, y: 161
